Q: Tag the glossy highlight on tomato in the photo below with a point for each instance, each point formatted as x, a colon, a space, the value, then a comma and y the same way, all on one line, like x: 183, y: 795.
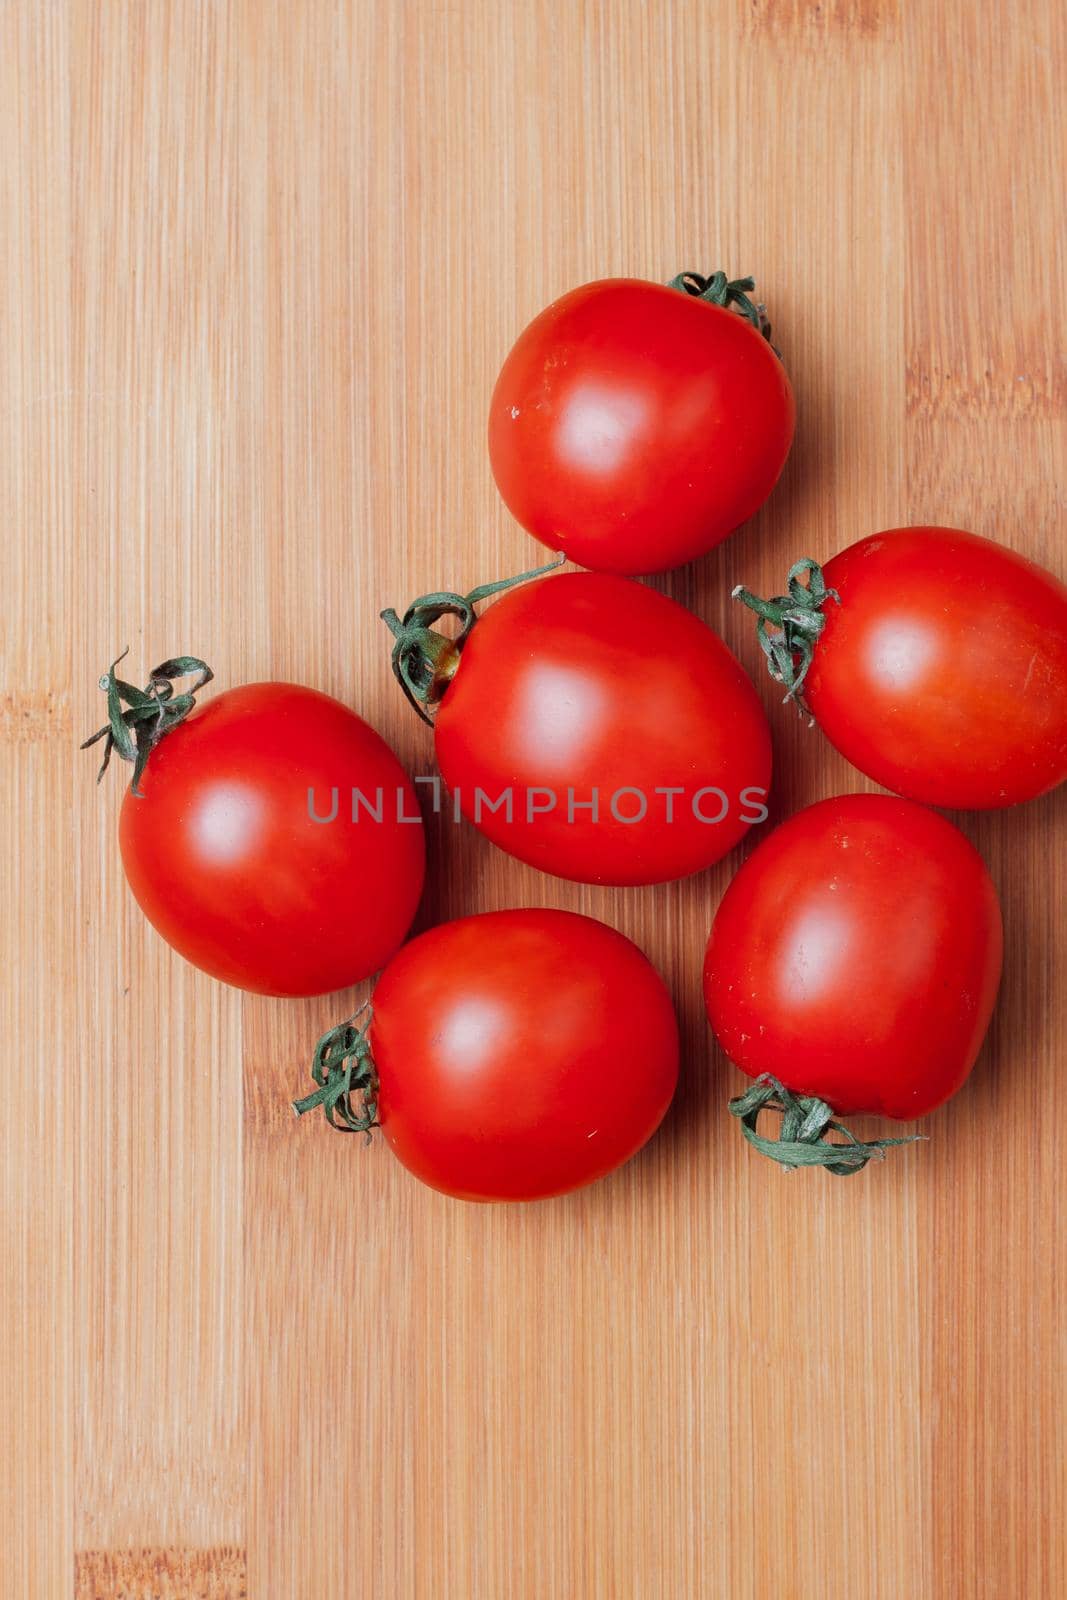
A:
x: 634, y: 426
x: 224, y: 858
x: 521, y: 1054
x: 856, y: 956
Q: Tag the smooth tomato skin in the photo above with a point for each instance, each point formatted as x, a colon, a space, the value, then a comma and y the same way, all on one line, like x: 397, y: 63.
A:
x: 590, y: 682
x: 521, y: 1054
x: 226, y: 863
x: 943, y: 672
x: 856, y: 956
x: 634, y: 426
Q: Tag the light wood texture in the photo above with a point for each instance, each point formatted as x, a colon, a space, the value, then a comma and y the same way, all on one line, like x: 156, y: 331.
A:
x: 258, y: 266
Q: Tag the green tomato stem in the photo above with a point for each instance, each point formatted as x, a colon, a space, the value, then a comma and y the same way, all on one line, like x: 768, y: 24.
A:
x: 802, y: 1139
x: 732, y: 294
x: 425, y: 661
x: 788, y: 626
x: 151, y: 713
x: 346, y: 1079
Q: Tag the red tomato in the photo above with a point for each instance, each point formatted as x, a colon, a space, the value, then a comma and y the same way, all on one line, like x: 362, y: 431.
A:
x: 587, y: 690
x: 224, y: 858
x: 519, y: 1054
x: 942, y: 673
x: 856, y: 957
x: 634, y: 426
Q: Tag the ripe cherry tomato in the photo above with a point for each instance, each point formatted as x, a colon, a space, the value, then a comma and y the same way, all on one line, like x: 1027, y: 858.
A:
x: 510, y: 1056
x: 226, y: 861
x: 856, y: 955
x: 941, y: 668
x: 634, y: 426
x: 591, y: 727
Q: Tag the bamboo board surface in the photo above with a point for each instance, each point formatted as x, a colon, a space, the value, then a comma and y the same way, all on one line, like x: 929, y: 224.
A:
x: 258, y: 266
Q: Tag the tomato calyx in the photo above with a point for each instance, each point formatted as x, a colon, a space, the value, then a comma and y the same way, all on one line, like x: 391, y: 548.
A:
x: 802, y: 1139
x: 344, y: 1071
x: 788, y: 626
x: 732, y: 294
x: 425, y: 661
x: 150, y: 713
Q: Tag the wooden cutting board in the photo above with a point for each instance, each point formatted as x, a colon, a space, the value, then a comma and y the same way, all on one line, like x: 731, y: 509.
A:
x: 258, y: 266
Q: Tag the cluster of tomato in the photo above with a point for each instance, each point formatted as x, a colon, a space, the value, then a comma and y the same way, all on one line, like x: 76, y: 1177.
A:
x: 601, y: 732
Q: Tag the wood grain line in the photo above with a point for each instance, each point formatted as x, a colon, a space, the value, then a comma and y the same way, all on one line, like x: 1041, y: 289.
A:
x: 39, y: 1017
x: 986, y: 449
x: 840, y: 20
x: 982, y: 277
x: 218, y: 1574
x: 157, y: 477
x: 32, y: 716
x: 1027, y: 383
